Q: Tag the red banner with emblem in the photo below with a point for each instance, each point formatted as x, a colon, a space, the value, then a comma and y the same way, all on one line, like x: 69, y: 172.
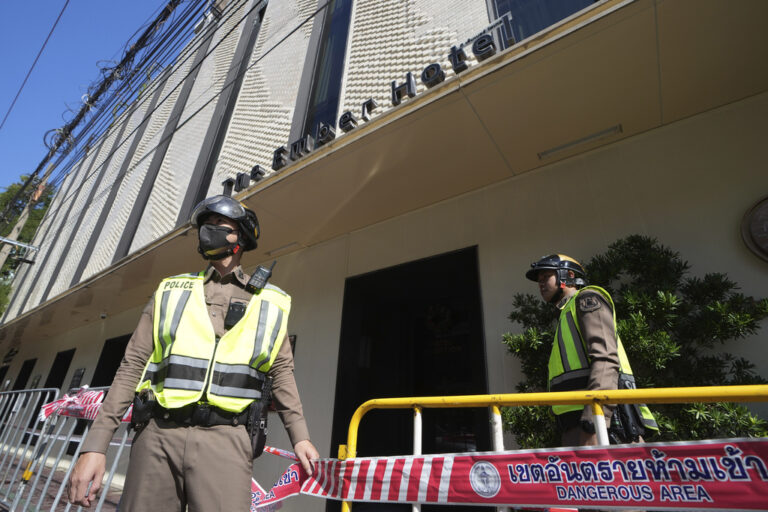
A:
x: 289, y: 484
x: 719, y: 475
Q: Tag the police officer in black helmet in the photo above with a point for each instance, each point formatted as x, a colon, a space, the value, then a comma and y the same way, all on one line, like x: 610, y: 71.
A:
x: 568, y: 273
x: 587, y: 353
x: 210, y: 218
x: 192, y: 450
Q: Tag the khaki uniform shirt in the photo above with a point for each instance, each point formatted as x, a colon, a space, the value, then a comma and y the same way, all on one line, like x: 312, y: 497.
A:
x: 219, y: 291
x: 595, y: 318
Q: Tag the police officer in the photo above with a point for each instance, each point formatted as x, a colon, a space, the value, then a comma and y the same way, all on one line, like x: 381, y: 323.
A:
x: 586, y: 352
x: 202, y: 351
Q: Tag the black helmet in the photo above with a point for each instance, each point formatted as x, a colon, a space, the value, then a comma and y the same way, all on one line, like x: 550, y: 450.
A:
x: 232, y: 209
x: 561, y: 264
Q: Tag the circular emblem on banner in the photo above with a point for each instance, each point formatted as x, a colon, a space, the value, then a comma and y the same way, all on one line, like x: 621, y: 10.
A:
x: 485, y: 479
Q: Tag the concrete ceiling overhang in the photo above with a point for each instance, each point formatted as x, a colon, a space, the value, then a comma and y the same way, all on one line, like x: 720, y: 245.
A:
x: 619, y: 69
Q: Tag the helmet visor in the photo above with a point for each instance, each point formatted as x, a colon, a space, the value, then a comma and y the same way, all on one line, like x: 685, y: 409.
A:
x: 223, y: 205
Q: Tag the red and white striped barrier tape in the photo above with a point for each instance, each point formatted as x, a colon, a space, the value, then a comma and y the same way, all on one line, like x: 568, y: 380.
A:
x: 729, y: 474
x: 701, y: 475
x: 281, y: 453
x: 83, y: 404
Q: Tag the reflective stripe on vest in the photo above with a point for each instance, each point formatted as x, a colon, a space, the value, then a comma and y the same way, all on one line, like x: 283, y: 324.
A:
x: 188, y: 361
x: 569, y: 366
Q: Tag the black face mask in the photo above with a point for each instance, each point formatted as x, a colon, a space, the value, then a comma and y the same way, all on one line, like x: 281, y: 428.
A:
x: 213, y: 242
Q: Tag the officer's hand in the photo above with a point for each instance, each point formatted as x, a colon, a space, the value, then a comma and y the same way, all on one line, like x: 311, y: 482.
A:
x: 306, y: 452
x: 89, y: 468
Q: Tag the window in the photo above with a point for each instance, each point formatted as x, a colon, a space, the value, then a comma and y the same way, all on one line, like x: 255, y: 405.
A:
x: 325, y: 90
x: 531, y: 16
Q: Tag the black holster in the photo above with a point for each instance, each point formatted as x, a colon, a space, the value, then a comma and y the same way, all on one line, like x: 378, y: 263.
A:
x: 144, y: 406
x: 626, y: 422
x: 257, y: 419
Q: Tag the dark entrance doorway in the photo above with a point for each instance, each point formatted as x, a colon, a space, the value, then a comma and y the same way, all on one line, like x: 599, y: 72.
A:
x: 24, y: 373
x: 413, y: 330
x: 109, y: 361
x: 3, y: 372
x: 59, y: 369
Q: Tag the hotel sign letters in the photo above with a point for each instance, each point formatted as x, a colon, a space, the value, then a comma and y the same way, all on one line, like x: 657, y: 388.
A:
x: 482, y: 46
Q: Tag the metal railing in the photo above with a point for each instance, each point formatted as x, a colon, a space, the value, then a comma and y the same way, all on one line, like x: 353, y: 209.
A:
x: 36, y: 456
x: 754, y: 393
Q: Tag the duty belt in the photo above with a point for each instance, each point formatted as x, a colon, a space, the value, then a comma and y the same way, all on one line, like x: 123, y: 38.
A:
x: 202, y: 414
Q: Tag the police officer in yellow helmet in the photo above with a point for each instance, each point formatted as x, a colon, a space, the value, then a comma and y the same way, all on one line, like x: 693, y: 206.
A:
x: 207, y: 348
x: 586, y: 353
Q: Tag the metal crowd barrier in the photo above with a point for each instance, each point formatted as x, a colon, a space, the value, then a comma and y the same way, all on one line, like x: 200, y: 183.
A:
x: 754, y: 393
x: 36, y: 456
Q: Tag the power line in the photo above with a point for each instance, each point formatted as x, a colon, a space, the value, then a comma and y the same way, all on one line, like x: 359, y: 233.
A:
x: 51, y: 214
x: 165, y: 98
x: 140, y: 77
x: 165, y: 50
x: 13, y: 103
x: 135, y: 84
x: 65, y: 132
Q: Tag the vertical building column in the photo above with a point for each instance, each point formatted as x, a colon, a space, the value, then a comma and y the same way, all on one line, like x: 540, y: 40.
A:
x: 96, y: 184
x: 48, y: 220
x: 54, y: 242
x: 110, y: 201
x: 162, y: 148
x: 200, y: 180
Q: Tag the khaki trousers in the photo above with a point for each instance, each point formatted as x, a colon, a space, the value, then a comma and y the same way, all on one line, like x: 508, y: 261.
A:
x: 199, y: 469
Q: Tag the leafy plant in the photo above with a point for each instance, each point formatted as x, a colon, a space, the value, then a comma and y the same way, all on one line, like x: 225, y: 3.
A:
x: 672, y: 325
x: 36, y: 213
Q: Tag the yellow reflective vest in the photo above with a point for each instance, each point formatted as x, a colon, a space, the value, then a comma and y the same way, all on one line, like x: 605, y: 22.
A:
x: 569, y: 364
x: 190, y: 364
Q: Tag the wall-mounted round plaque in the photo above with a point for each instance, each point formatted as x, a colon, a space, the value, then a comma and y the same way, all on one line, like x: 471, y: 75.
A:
x: 754, y: 229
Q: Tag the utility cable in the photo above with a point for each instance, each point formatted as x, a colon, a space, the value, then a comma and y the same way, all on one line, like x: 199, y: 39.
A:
x: 184, y: 122
x: 104, y: 85
x: 132, y: 80
x: 166, y: 54
x: 32, y: 67
x: 191, y: 116
x: 107, y: 106
x: 99, y: 112
x: 160, y: 103
x: 133, y: 83
x: 51, y: 214
x: 105, y: 118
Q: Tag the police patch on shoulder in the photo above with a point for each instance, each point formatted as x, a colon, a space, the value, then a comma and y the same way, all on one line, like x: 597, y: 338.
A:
x: 589, y: 303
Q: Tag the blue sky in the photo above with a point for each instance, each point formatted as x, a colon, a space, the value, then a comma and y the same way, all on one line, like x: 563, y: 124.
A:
x: 88, y: 32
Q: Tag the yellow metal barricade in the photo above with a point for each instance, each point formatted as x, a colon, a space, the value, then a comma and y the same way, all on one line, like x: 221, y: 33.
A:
x: 754, y: 393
